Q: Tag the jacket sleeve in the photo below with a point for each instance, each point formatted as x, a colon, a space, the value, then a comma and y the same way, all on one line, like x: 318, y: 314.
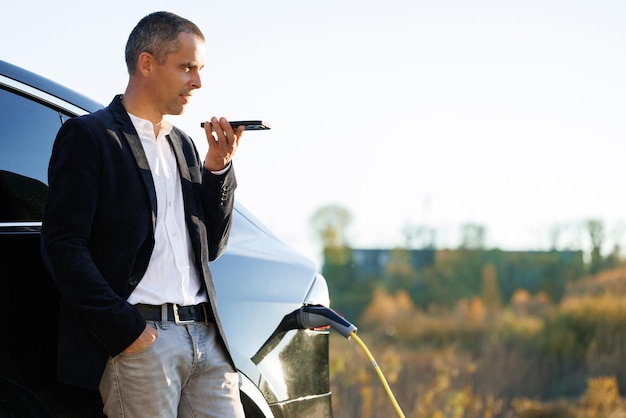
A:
x: 219, y: 200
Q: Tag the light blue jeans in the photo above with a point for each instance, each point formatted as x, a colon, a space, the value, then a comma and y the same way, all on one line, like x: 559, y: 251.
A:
x: 184, y: 373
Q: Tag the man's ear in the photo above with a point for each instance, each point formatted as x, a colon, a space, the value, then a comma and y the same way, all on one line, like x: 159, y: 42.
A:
x: 146, y: 61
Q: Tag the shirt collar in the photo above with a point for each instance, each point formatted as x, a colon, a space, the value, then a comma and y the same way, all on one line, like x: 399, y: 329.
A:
x: 145, y: 127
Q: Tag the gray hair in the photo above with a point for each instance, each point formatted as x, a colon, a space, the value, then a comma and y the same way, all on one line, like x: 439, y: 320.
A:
x: 157, y: 34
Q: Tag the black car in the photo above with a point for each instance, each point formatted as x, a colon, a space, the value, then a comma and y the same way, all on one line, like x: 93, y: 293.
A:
x: 262, y: 283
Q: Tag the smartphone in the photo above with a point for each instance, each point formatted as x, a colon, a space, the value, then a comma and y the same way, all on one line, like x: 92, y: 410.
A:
x: 251, y: 125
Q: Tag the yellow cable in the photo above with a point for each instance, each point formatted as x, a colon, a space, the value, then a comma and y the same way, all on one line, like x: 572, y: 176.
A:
x: 380, y: 374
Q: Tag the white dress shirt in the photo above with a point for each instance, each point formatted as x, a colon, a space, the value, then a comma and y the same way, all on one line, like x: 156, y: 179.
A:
x: 171, y: 276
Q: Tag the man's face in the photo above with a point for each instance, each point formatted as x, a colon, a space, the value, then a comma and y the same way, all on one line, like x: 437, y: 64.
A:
x: 174, y: 81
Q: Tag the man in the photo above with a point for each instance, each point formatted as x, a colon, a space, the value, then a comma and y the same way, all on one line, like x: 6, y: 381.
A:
x: 132, y: 219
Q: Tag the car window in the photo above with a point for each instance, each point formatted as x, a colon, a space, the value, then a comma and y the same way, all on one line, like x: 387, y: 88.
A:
x: 28, y: 131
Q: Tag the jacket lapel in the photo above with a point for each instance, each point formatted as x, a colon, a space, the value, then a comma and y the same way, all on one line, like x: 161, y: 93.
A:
x: 134, y: 143
x: 144, y: 169
x: 186, y: 177
x: 181, y: 161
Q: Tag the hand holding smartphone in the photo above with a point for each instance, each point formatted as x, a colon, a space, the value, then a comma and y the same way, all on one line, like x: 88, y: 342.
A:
x: 251, y: 125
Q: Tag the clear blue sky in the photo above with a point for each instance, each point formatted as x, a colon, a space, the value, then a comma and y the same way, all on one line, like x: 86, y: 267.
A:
x: 509, y: 114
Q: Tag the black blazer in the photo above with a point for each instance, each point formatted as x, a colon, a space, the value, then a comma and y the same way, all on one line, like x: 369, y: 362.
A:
x: 98, y: 233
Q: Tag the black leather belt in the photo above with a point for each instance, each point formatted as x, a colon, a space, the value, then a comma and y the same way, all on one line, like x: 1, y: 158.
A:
x: 177, y: 313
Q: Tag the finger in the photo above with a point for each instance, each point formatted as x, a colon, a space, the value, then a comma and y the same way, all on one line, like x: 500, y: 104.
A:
x: 228, y: 130
x: 221, y: 127
x: 208, y: 130
x: 239, y: 133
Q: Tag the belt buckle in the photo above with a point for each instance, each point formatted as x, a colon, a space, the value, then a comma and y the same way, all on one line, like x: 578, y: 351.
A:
x: 177, y: 318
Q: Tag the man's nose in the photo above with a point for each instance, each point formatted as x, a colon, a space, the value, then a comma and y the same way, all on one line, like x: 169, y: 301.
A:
x: 196, y: 81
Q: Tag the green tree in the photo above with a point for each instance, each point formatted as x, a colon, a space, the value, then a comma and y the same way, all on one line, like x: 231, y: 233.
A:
x: 472, y: 236
x: 595, y: 228
x: 331, y: 222
x: 349, y: 293
x: 419, y: 236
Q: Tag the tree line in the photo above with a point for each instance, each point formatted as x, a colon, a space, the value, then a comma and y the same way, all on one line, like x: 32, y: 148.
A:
x: 441, y: 277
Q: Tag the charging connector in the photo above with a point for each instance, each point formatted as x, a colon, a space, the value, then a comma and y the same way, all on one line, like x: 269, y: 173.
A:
x: 317, y: 316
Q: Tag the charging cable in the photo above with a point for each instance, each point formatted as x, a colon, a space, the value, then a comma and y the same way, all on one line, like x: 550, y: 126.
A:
x: 316, y: 316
